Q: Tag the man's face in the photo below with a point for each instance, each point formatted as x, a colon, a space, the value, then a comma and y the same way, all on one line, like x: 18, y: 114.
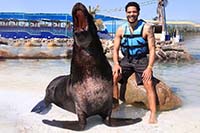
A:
x: 132, y: 14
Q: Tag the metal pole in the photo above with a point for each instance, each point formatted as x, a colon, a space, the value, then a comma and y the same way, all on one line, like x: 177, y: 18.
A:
x: 165, y: 25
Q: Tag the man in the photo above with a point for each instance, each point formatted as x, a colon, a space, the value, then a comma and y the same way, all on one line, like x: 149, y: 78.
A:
x: 136, y: 39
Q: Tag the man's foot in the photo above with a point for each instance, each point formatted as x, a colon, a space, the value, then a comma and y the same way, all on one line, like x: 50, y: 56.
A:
x: 115, y: 103
x: 152, y: 118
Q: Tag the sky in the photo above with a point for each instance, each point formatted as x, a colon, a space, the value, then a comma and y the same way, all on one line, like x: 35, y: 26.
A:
x: 188, y: 10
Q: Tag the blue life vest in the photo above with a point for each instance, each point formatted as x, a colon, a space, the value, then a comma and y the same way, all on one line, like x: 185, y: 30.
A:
x: 133, y: 44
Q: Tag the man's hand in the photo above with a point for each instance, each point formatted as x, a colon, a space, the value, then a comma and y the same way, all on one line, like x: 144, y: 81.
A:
x: 117, y: 70
x: 147, y: 74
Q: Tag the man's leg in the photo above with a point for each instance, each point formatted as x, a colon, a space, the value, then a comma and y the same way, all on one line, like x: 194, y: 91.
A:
x: 123, y: 91
x: 121, y: 78
x: 151, y: 101
x: 115, y: 91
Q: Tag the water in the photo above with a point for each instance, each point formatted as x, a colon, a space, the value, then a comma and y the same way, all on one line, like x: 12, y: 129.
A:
x: 184, y: 77
x: 29, y: 76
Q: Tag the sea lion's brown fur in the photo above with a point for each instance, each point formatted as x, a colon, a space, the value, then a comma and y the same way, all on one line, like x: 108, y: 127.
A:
x: 88, y: 88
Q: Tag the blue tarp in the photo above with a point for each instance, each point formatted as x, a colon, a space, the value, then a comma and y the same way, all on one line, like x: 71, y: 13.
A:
x: 26, y: 32
x: 50, y: 16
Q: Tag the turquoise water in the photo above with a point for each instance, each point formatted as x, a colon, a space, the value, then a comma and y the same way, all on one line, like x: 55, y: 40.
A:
x: 182, y: 77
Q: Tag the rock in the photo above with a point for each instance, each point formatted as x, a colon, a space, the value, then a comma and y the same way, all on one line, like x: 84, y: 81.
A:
x: 38, y: 55
x: 166, y: 100
x: 3, y: 41
x: 6, y: 54
x: 161, y: 55
x: 170, y: 51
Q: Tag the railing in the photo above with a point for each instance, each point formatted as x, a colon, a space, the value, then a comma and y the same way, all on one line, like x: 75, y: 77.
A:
x: 38, y: 32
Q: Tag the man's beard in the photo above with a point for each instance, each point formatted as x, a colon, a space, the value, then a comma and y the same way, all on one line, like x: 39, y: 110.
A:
x: 130, y: 17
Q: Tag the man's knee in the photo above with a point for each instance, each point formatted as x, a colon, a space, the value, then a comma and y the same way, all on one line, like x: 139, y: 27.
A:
x: 148, y: 84
x: 116, y: 78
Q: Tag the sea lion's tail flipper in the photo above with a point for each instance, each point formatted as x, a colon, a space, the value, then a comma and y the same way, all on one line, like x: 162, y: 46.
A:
x: 41, y: 107
x: 116, y: 122
x: 72, y: 125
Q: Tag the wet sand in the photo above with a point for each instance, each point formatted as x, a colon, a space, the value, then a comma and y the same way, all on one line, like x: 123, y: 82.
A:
x: 16, y: 116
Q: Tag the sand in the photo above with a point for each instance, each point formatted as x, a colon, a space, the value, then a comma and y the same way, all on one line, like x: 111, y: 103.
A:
x: 16, y: 116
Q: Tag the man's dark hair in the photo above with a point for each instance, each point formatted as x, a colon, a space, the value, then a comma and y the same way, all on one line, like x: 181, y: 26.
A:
x: 132, y: 4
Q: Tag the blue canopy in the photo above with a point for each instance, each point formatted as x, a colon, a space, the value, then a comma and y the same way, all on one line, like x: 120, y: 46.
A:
x: 16, y: 16
x: 50, y: 16
x: 34, y: 16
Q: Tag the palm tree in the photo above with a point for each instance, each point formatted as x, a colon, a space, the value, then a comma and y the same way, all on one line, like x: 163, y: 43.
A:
x: 98, y: 22
x: 93, y: 10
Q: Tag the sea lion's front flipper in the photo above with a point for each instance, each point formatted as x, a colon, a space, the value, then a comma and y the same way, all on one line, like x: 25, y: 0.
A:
x: 116, y: 122
x: 72, y: 125
x: 41, y: 107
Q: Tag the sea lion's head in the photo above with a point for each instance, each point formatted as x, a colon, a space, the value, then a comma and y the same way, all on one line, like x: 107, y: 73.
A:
x: 83, y: 26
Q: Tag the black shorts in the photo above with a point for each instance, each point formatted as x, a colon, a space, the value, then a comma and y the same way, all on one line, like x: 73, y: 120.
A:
x: 136, y: 66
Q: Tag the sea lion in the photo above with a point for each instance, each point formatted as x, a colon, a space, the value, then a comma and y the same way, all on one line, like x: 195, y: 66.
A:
x: 87, y: 90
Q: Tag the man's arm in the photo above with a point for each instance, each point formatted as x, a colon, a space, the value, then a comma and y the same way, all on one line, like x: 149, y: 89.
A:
x: 147, y: 74
x: 117, y: 69
x: 151, y: 45
x: 117, y: 41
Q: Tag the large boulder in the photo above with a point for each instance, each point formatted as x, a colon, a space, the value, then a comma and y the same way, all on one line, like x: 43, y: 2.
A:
x: 166, y: 99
